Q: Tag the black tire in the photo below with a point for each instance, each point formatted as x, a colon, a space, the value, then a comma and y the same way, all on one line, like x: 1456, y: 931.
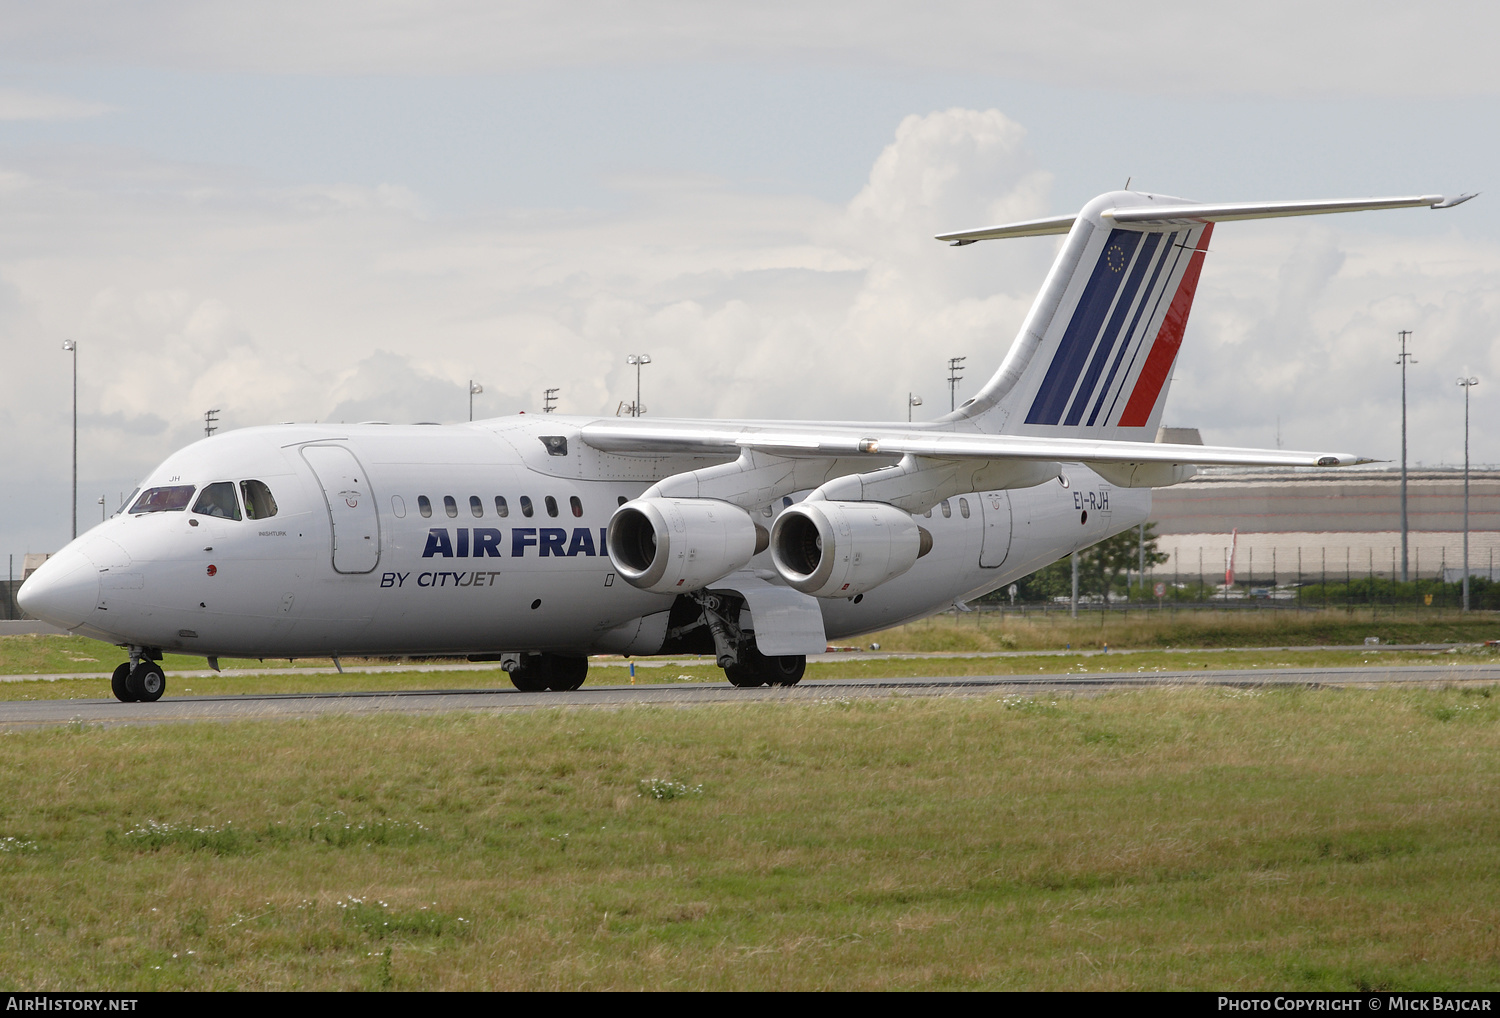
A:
x: 756, y: 669
x: 566, y: 673
x: 146, y: 682
x: 118, y: 685
x: 785, y: 670
x: 744, y: 676
x: 533, y: 675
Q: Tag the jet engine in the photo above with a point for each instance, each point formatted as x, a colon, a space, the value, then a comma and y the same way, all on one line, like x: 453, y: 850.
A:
x: 674, y: 545
x: 840, y: 549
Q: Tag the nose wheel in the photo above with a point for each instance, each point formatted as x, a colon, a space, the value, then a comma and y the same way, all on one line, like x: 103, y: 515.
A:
x: 145, y: 683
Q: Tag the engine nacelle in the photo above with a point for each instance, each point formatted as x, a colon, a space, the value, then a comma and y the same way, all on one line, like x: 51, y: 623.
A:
x: 840, y: 549
x: 673, y: 545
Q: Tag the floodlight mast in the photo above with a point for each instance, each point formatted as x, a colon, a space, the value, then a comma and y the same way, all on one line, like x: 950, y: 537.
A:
x: 912, y: 400
x: 1402, y: 360
x: 637, y: 359
x: 1467, y: 383
x: 474, y: 390
x: 72, y: 347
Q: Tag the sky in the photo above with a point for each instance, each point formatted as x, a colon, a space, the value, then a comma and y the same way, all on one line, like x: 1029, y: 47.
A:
x: 345, y: 211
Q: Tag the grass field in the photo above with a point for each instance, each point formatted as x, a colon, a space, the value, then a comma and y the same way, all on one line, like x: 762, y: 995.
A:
x: 983, y: 631
x: 1328, y: 839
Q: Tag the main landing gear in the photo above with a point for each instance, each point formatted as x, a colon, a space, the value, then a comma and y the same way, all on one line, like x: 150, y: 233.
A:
x: 534, y: 673
x: 734, y: 647
x: 138, y: 680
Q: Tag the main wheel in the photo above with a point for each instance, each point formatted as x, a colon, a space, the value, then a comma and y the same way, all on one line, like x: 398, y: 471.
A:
x: 567, y: 673
x: 119, y: 686
x: 745, y: 676
x: 533, y: 675
x: 756, y: 669
x: 146, y: 682
x: 785, y: 670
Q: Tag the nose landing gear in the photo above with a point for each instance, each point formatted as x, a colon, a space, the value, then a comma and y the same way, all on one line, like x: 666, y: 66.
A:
x: 138, y: 680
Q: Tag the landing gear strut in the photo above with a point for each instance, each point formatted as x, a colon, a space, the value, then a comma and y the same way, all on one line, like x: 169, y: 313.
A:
x: 743, y: 663
x: 533, y: 673
x: 139, y: 680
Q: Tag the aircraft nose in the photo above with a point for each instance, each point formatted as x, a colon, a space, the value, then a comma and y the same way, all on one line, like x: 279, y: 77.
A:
x: 64, y: 591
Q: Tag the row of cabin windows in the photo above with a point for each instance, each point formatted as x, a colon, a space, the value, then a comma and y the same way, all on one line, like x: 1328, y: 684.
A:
x: 477, y: 506
x: 963, y: 509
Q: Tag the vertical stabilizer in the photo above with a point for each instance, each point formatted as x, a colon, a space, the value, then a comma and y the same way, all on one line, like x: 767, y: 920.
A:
x: 1094, y: 357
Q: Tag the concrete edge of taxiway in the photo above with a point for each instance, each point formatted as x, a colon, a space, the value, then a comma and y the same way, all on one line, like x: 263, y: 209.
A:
x: 20, y: 715
x: 611, y: 661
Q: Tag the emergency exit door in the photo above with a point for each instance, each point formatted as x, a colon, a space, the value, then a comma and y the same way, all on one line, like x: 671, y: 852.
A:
x: 351, y: 507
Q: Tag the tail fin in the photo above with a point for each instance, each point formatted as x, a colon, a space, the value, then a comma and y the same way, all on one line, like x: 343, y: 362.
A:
x: 1094, y: 356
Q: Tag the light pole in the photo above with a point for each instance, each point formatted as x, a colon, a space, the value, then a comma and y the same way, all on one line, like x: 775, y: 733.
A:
x: 549, y: 400
x: 72, y: 348
x: 911, y: 401
x: 955, y: 375
x: 474, y: 390
x: 1401, y: 360
x: 1467, y: 383
x: 638, y: 359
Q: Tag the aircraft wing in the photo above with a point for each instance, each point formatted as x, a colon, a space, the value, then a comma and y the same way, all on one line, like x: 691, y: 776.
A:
x: 795, y: 441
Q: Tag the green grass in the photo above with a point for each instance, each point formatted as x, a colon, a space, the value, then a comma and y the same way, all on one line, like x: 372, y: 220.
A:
x: 1170, y: 838
x: 981, y: 631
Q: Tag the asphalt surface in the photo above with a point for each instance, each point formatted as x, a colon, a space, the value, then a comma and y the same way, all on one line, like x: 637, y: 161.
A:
x: 25, y: 714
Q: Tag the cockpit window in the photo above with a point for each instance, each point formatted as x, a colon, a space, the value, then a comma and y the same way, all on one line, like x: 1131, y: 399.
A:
x: 259, y: 504
x: 173, y: 498
x: 218, y: 499
x: 126, y: 504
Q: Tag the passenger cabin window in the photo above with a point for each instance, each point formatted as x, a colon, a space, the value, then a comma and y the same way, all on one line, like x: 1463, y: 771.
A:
x: 551, y: 506
x: 502, y: 509
x: 450, y: 506
x: 218, y: 500
x: 963, y: 508
x: 576, y: 505
x: 260, y: 505
x: 170, y: 499
x: 525, y: 505
x: 475, y: 506
x: 947, y: 509
x: 621, y: 500
x: 424, y: 505
x: 398, y: 506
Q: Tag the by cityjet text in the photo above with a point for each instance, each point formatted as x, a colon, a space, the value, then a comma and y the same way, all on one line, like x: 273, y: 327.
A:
x: 1392, y: 1002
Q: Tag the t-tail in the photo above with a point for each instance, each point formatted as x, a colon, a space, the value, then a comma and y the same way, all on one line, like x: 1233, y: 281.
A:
x: 1094, y: 357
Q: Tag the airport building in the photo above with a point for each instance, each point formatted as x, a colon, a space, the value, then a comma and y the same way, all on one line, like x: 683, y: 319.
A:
x: 1284, y: 525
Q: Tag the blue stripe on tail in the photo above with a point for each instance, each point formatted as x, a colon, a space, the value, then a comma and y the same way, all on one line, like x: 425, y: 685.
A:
x: 1088, y: 317
x: 1112, y: 334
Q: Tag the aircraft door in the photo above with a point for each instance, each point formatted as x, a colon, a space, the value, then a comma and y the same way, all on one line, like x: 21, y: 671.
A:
x: 351, y: 507
x: 994, y: 506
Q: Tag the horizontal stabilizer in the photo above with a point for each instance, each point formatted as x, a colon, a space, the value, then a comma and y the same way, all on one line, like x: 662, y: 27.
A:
x: 1187, y: 213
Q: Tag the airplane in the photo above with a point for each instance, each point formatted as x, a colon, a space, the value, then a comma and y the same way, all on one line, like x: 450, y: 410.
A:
x: 536, y: 541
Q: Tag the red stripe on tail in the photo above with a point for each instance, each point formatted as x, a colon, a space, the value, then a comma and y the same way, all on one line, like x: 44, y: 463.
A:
x: 1168, y: 341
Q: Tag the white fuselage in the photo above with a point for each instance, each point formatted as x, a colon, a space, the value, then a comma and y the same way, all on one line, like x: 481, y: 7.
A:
x: 371, y: 574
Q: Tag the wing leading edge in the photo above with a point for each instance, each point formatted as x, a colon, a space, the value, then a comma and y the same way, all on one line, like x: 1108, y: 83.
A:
x: 885, y: 442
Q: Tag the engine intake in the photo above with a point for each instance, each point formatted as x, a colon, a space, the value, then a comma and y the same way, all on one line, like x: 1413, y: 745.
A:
x: 840, y: 549
x: 673, y: 545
